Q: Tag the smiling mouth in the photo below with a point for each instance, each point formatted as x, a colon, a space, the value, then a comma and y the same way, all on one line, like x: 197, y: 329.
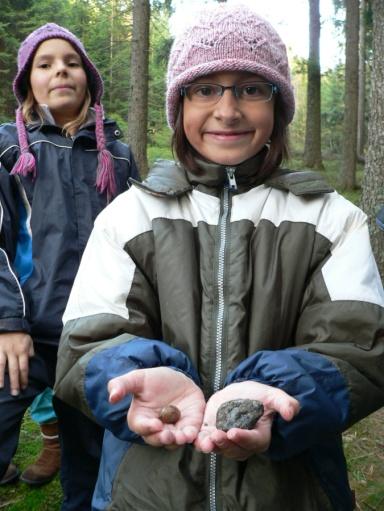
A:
x: 228, y: 135
x: 62, y: 87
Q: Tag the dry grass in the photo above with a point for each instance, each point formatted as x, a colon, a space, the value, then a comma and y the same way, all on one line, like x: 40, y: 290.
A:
x: 364, y: 448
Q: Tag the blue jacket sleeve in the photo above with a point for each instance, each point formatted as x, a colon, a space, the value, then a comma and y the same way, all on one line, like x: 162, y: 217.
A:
x: 12, y: 303
x: 114, y: 361
x: 314, y: 381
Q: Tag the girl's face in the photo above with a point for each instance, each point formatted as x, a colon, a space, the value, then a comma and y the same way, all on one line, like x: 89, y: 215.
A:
x: 232, y: 130
x: 58, y: 79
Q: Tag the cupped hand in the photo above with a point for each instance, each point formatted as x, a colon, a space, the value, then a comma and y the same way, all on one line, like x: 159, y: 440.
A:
x: 15, y: 350
x: 152, y: 390
x: 240, y: 444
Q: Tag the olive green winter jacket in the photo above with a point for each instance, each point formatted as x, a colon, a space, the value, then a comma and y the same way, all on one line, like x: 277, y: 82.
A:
x: 227, y: 278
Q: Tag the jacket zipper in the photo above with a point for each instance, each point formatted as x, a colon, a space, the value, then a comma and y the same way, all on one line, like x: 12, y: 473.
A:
x: 217, y: 379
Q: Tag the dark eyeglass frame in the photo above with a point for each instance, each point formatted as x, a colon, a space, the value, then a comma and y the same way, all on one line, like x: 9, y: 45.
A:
x: 236, y: 91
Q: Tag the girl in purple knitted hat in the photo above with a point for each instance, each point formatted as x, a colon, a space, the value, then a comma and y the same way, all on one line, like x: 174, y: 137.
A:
x: 61, y: 163
x: 237, y: 280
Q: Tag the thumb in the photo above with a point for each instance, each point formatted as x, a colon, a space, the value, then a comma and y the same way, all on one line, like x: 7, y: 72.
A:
x: 129, y: 383
x: 284, y: 404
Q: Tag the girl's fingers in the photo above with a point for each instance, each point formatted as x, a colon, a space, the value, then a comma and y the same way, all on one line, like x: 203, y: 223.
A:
x: 284, y: 404
x: 13, y: 370
x: 250, y: 441
x: 131, y: 383
x: 144, y: 426
x: 2, y: 369
x: 23, y: 370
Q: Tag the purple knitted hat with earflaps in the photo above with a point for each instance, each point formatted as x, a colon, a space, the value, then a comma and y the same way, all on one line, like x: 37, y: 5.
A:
x: 105, y: 177
x: 228, y: 38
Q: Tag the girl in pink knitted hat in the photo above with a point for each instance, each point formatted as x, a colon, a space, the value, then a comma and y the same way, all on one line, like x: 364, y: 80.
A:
x: 61, y: 163
x: 237, y: 281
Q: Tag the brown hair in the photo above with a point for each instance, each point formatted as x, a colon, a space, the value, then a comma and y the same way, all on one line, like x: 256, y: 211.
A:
x: 278, y: 146
x: 31, y: 110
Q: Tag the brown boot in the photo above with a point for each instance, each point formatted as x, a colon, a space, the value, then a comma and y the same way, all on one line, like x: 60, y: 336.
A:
x: 48, y: 463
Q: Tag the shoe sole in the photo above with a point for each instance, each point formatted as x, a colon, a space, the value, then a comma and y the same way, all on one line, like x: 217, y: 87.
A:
x: 30, y: 482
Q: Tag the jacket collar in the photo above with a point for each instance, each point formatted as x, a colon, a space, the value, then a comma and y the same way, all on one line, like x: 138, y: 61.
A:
x: 170, y: 179
x: 244, y: 176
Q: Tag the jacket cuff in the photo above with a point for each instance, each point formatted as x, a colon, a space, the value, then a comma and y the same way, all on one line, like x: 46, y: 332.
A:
x: 109, y: 363
x: 314, y: 381
x: 14, y: 325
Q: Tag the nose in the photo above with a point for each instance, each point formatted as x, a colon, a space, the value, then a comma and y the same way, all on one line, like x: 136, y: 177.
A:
x: 60, y: 67
x: 227, y: 108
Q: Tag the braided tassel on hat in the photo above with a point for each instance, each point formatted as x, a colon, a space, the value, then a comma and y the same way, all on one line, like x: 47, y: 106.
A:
x: 26, y: 163
x: 105, y: 176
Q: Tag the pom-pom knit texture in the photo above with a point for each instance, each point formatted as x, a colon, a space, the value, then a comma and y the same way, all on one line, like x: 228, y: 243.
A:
x: 228, y: 38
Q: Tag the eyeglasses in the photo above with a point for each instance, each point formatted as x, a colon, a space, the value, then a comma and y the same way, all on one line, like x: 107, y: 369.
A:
x: 211, y: 93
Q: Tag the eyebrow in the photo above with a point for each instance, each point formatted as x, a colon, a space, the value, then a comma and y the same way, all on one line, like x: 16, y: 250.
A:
x: 51, y: 56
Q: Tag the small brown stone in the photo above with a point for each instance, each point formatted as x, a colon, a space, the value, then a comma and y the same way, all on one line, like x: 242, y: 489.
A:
x: 170, y: 414
x: 239, y: 413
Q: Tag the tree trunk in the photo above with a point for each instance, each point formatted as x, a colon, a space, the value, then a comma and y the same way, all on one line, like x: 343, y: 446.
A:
x: 348, y: 167
x: 373, y: 185
x: 312, y: 148
x: 111, y: 44
x: 361, y: 100
x: 138, y: 90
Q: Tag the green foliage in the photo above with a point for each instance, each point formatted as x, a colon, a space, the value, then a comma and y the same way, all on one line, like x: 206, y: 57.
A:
x: 160, y: 44
x: 332, y: 110
x: 297, y: 128
x: 13, y: 28
x: 159, y: 145
x: 331, y: 174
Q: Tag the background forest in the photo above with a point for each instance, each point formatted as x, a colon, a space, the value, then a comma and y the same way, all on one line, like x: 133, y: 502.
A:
x: 106, y: 28
x: 129, y: 41
x: 338, y: 129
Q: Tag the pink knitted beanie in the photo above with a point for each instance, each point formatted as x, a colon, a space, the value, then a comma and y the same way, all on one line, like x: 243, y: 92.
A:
x: 105, y: 178
x: 228, y: 38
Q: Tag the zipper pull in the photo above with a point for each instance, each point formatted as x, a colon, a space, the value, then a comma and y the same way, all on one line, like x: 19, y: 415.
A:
x: 231, y: 178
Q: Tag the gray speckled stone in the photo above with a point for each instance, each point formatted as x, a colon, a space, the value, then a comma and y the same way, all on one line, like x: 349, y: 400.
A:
x: 239, y: 413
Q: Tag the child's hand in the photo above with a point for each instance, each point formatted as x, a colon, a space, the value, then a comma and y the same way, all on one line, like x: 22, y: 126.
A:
x: 15, y: 350
x: 152, y: 390
x: 240, y: 444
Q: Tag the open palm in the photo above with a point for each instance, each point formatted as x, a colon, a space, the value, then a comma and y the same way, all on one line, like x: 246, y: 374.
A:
x: 152, y: 390
x: 239, y: 443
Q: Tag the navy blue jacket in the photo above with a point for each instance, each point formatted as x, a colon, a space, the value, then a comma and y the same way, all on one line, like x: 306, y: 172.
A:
x: 45, y: 223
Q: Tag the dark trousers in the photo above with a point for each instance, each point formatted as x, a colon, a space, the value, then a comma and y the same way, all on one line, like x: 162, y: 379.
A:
x: 12, y: 408
x: 81, y: 440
